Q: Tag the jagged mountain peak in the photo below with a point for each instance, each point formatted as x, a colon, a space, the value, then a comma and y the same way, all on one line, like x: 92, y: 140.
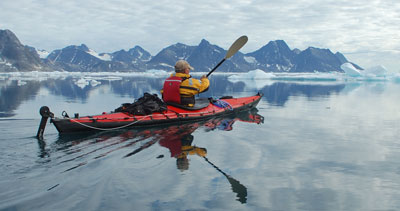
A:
x: 278, y: 44
x: 272, y: 48
x: 177, y: 45
x: 318, y: 52
x: 276, y: 56
x: 137, y: 49
x: 317, y: 60
x: 204, y: 42
x: 17, y: 57
x: 206, y: 55
x: 341, y: 57
x: 135, y: 56
x: 81, y: 47
x: 296, y: 51
x: 8, y: 37
x: 205, y: 45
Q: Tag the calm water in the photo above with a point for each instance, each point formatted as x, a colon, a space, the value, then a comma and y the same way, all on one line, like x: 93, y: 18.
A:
x: 324, y: 144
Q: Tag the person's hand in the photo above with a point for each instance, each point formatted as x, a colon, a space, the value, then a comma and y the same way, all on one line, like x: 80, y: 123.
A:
x: 204, y: 76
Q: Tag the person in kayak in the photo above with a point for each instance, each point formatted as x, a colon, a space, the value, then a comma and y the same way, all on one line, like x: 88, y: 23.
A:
x: 181, y: 88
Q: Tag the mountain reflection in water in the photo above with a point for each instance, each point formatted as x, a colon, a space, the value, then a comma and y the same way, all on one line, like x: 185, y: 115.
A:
x: 13, y: 93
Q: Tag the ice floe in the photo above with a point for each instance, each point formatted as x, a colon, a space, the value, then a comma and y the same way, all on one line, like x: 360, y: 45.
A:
x: 254, y: 75
x: 255, y: 79
x: 83, y: 82
x: 350, y: 70
x: 157, y: 72
x: 376, y: 71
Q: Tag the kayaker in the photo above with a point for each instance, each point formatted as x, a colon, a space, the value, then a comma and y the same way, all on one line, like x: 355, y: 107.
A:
x: 181, y: 88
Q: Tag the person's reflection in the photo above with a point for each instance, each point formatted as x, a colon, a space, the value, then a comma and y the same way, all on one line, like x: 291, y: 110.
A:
x: 179, y: 140
x: 181, y: 147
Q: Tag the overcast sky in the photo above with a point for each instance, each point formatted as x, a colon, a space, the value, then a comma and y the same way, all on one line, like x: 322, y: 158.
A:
x: 366, y: 32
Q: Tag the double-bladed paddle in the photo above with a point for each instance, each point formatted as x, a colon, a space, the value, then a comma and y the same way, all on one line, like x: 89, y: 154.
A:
x: 235, y: 47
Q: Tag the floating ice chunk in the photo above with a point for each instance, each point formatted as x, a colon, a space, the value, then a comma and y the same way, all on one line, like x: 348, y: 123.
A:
x: 255, y: 79
x: 82, y: 83
x: 254, y: 74
x: 259, y: 74
x: 396, y: 77
x: 94, y: 83
x: 21, y: 83
x: 376, y: 71
x: 350, y: 70
x: 156, y: 72
x: 112, y: 78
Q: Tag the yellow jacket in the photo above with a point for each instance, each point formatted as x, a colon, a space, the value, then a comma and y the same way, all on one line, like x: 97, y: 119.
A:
x: 199, y: 85
x: 192, y: 150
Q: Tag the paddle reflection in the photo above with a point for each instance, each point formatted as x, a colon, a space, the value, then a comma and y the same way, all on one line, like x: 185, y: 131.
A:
x: 79, y: 149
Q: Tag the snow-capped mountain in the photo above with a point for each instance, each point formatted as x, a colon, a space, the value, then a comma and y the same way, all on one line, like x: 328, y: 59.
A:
x: 16, y: 57
x: 83, y: 59
x: 276, y: 56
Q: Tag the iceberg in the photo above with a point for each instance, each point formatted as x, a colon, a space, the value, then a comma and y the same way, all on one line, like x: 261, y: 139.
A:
x: 254, y: 75
x: 94, y: 83
x: 376, y: 71
x: 379, y: 70
x: 350, y: 70
x: 254, y: 79
x: 153, y: 72
x: 82, y: 83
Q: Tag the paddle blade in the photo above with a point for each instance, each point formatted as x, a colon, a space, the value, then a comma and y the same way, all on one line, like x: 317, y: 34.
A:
x: 236, y: 46
x: 239, y: 189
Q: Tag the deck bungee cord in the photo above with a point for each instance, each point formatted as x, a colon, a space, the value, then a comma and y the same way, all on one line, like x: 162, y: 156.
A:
x: 127, y: 118
x: 108, y: 129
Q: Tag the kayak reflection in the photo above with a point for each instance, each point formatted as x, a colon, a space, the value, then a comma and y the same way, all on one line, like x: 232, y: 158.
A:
x: 178, y: 139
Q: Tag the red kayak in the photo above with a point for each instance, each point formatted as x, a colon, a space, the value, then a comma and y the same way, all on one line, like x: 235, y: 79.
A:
x: 204, y: 109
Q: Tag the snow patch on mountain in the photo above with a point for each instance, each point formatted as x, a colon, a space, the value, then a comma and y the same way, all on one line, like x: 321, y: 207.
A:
x: 42, y: 53
x: 250, y: 59
x: 104, y: 57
